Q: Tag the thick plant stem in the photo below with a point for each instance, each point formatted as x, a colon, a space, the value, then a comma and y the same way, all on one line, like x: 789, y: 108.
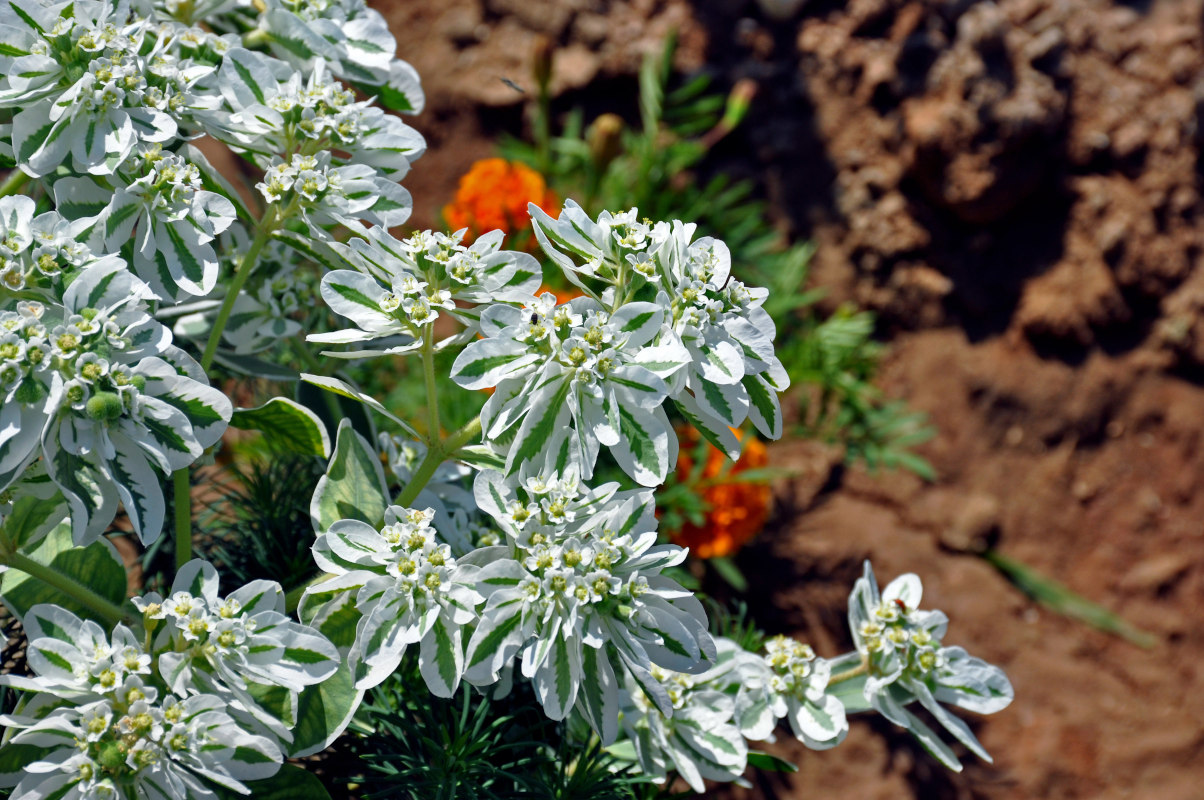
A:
x: 110, y: 612
x: 14, y: 183
x: 266, y: 227
x: 182, y: 501
x: 435, y: 455
x: 861, y: 669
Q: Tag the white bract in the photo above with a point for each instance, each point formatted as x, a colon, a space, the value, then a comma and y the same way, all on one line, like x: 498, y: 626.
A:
x: 228, y: 646
x: 730, y: 373
x: 89, y: 82
x: 797, y: 686
x: 399, y: 288
x: 907, y: 662
x: 160, y: 196
x: 105, y: 731
x: 576, y: 589
x: 408, y: 589
x: 699, y: 738
x: 96, y: 388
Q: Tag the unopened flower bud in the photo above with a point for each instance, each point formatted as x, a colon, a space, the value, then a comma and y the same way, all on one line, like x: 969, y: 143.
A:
x: 103, y: 407
x: 605, y: 139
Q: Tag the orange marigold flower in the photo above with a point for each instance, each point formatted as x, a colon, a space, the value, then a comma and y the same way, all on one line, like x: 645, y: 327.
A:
x: 737, y: 510
x: 493, y: 195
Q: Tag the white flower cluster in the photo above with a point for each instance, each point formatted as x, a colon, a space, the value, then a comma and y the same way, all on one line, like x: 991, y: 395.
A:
x: 597, y: 370
x: 399, y: 287
x: 90, y: 82
x: 577, y: 590
x: 906, y: 662
x: 226, y: 646
x: 92, y: 384
x: 269, y: 108
x: 105, y: 729
x: 407, y: 589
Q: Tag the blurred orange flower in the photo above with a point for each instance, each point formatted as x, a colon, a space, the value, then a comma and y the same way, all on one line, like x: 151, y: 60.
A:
x: 563, y: 295
x: 493, y: 195
x: 738, y: 510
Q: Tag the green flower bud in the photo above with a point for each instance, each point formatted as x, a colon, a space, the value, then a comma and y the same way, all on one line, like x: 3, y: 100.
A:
x: 103, y: 407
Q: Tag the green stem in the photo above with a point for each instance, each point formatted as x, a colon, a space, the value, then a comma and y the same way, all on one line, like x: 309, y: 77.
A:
x: 182, y: 501
x: 861, y: 669
x: 107, y: 610
x: 433, y: 432
x: 435, y: 455
x: 14, y: 183
x: 266, y: 227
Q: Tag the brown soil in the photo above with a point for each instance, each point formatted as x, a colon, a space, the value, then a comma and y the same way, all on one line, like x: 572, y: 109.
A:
x: 1014, y: 187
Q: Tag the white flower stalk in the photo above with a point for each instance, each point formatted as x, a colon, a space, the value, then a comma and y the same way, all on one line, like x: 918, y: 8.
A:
x: 699, y: 738
x: 399, y: 287
x: 270, y: 108
x: 906, y: 662
x: 89, y: 82
x: 95, y: 716
x: 797, y: 683
x: 566, y: 600
x: 229, y: 645
x: 730, y: 373
x: 324, y: 195
x: 156, y: 200
x: 113, y: 405
x: 576, y: 376
x: 408, y: 588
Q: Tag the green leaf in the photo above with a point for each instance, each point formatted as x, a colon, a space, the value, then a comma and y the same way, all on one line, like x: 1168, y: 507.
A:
x: 1057, y: 597
x: 32, y: 518
x: 769, y: 762
x: 15, y: 757
x: 96, y: 566
x: 323, y: 712
x: 287, y: 426
x: 290, y: 783
x: 728, y: 570
x: 354, y: 484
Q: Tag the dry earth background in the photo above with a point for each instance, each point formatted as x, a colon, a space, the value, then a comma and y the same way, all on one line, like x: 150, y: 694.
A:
x: 1014, y: 186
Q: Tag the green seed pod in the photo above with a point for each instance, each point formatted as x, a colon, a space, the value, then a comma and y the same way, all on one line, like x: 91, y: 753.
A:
x: 104, y: 407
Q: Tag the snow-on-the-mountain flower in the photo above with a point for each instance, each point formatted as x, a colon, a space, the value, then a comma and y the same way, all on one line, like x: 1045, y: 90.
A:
x: 797, y: 683
x: 157, y: 200
x: 906, y: 662
x: 351, y: 37
x: 699, y: 738
x: 270, y: 108
x: 228, y: 646
x: 731, y: 373
x: 397, y: 288
x: 407, y: 588
x: 566, y: 600
x: 576, y: 376
x: 323, y: 195
x: 88, y: 83
x: 39, y: 254
x: 113, y: 405
x: 93, y: 723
